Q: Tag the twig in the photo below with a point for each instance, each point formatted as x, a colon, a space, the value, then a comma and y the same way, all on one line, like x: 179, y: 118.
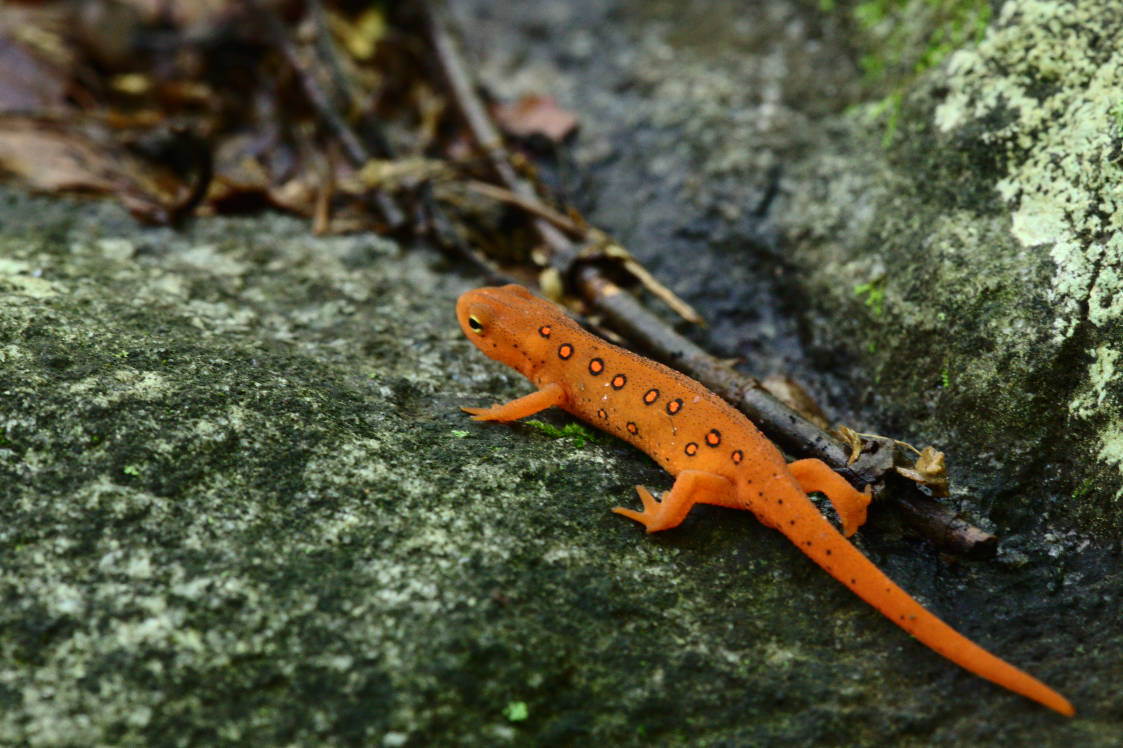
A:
x: 793, y: 433
x: 447, y: 235
x: 534, y: 207
x: 203, y: 159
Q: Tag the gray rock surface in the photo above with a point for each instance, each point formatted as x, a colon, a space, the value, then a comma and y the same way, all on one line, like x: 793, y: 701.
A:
x: 238, y: 502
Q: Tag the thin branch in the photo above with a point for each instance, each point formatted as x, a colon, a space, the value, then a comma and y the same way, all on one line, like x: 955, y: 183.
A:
x: 534, y: 207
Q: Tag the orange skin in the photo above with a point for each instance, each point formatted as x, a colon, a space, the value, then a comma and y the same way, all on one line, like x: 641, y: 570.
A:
x: 716, y: 454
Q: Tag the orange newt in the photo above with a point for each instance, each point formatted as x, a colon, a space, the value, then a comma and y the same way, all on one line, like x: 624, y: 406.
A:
x: 717, y: 455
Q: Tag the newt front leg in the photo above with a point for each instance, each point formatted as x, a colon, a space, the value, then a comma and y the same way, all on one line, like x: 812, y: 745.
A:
x: 549, y: 396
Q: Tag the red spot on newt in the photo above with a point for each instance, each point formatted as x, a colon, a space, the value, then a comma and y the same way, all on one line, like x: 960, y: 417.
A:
x: 502, y: 323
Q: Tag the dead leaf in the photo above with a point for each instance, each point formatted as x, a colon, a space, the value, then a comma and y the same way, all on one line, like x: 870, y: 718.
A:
x: 34, y: 65
x: 360, y: 37
x: 48, y: 159
x: 930, y: 470
x: 53, y: 157
x: 408, y: 173
x: 853, y: 440
x: 535, y: 115
x: 792, y: 393
x: 550, y: 281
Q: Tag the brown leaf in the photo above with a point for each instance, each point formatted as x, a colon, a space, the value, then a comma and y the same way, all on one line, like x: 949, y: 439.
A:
x: 51, y: 160
x: 853, y: 440
x: 791, y: 393
x: 34, y: 63
x: 56, y: 157
x: 930, y: 470
x: 535, y: 115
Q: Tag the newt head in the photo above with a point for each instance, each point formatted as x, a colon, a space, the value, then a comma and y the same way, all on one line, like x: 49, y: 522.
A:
x: 512, y: 326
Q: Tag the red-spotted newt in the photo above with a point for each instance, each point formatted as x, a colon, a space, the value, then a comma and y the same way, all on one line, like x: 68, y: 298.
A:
x: 716, y: 454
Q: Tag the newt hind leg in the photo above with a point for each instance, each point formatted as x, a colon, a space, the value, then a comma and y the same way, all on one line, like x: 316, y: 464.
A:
x: 690, y: 488
x: 815, y: 476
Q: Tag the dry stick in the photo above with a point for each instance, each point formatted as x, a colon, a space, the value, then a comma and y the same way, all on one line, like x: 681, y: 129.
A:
x: 534, y: 207
x: 793, y: 433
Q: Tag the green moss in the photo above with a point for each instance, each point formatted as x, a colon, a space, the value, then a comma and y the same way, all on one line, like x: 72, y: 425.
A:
x: 874, y: 293
x: 894, y: 28
x: 1084, y: 488
x: 516, y: 711
x: 579, y: 434
x: 901, y: 39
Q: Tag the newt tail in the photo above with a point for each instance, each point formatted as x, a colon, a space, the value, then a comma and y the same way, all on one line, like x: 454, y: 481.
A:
x: 818, y: 538
x: 716, y: 455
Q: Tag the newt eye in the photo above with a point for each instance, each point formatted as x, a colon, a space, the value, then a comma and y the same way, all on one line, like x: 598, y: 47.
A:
x: 475, y: 324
